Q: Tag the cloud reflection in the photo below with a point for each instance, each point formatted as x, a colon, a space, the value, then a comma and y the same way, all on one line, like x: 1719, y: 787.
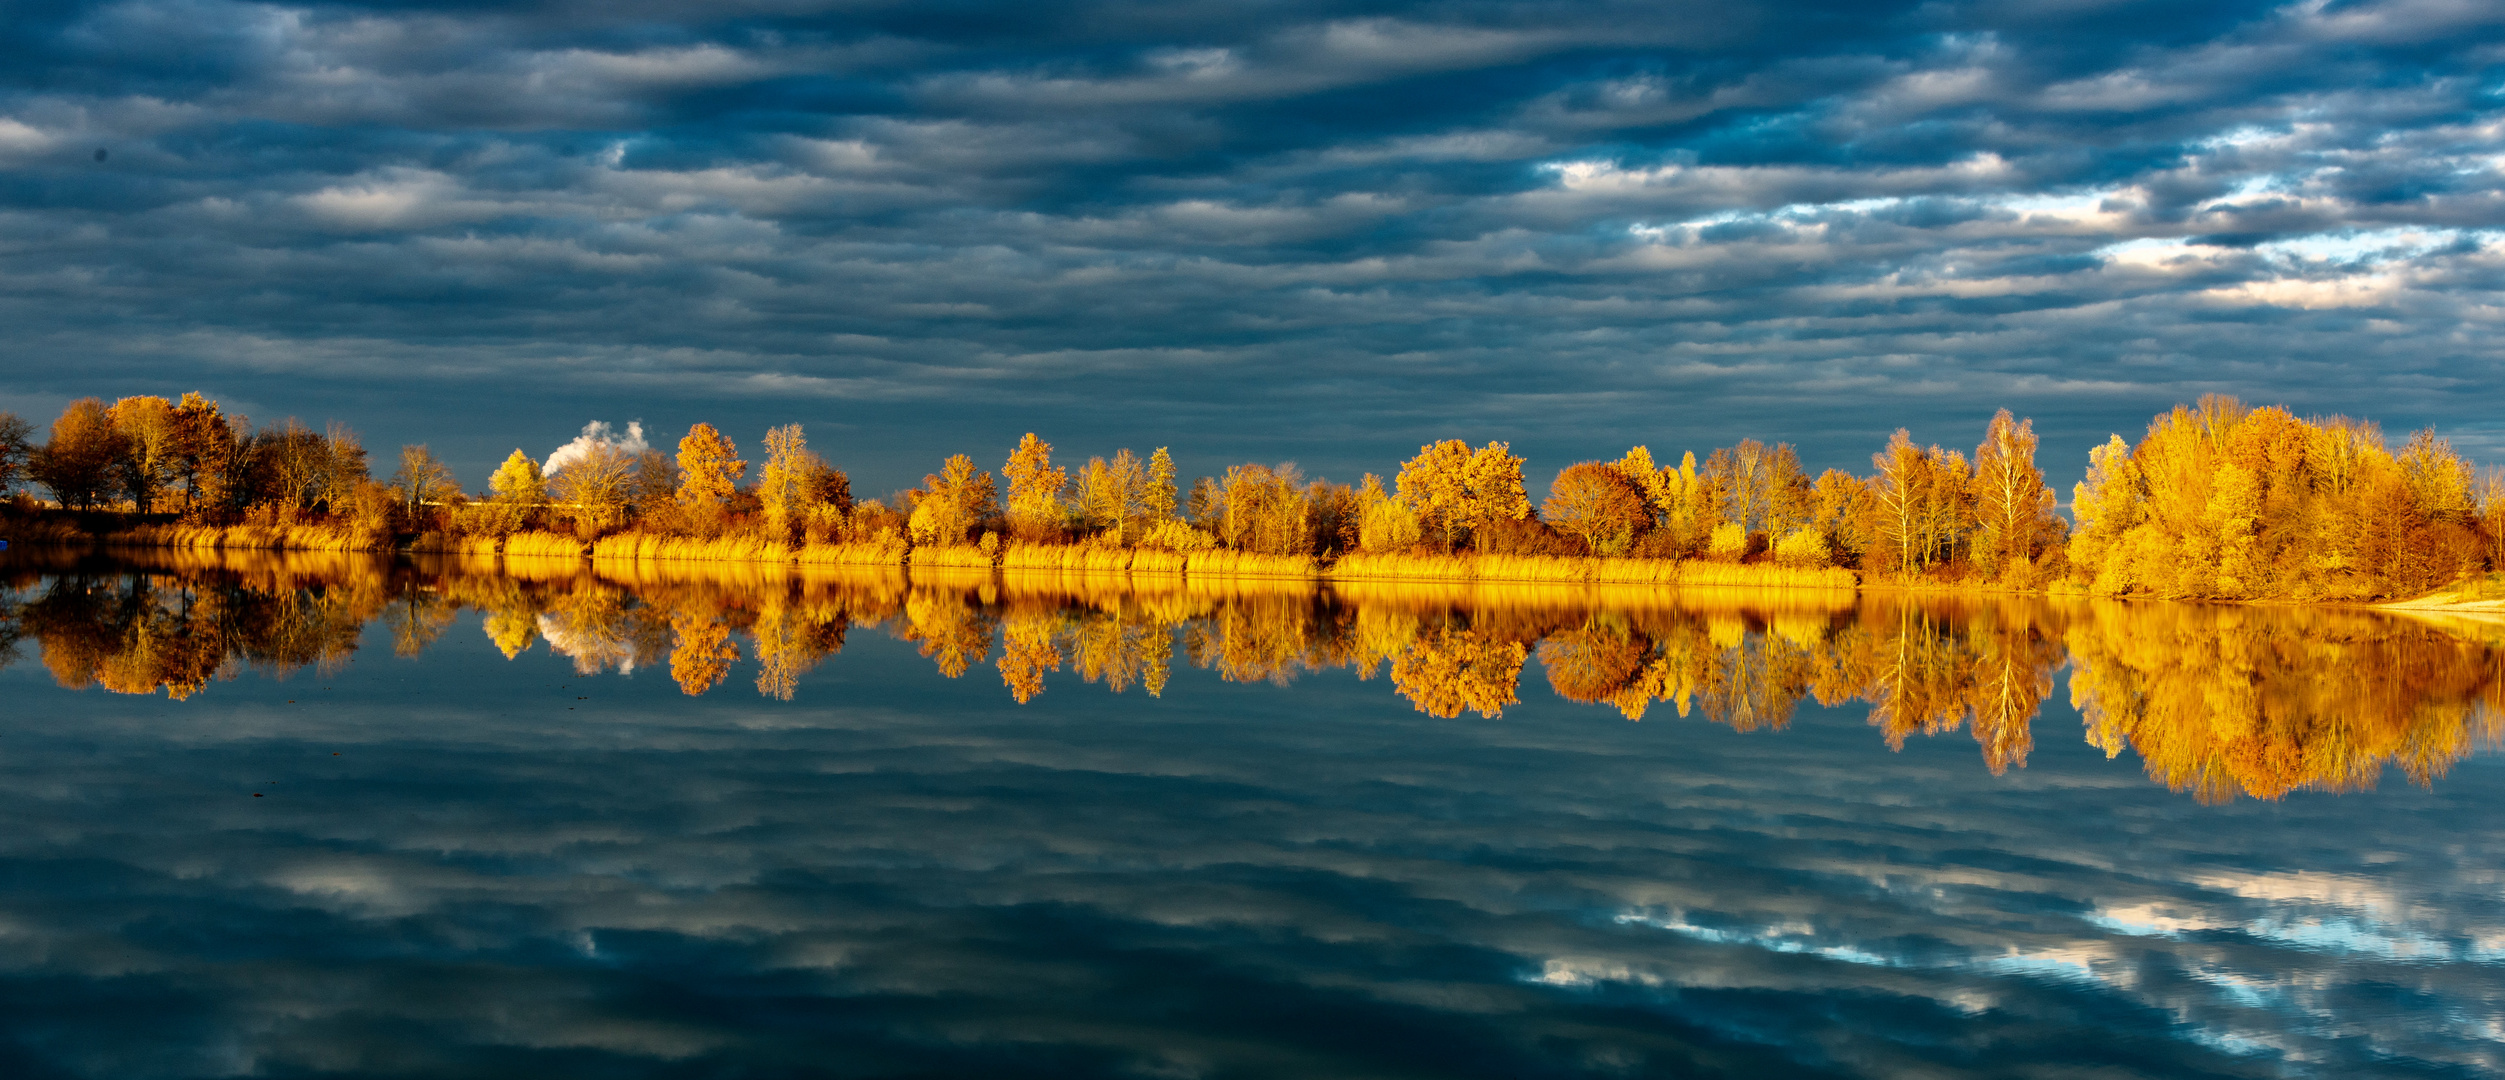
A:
x: 903, y: 869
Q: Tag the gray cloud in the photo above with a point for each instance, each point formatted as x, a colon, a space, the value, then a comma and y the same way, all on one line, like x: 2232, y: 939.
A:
x: 1327, y: 233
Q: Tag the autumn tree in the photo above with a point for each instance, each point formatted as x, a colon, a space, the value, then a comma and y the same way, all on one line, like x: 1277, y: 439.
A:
x: 2013, y: 506
x: 1901, y: 495
x: 2109, y: 502
x: 77, y: 461
x: 1157, y: 501
x: 709, y: 469
x: 783, y: 485
x: 1035, y: 487
x: 1762, y: 488
x: 2220, y: 500
x: 1841, y: 508
x: 210, y: 456
x: 1685, y: 505
x: 594, y: 488
x: 1205, y: 502
x: 1456, y: 491
x: 2439, y: 481
x: 519, y: 480
x: 1265, y: 510
x: 1385, y: 524
x: 344, y: 471
x: 1108, y: 492
x: 17, y: 442
x: 422, y: 479
x: 953, y: 502
x: 1599, y: 503
x: 151, y: 447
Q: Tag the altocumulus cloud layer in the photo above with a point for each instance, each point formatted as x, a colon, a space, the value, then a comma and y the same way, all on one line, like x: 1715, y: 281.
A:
x: 1313, y: 230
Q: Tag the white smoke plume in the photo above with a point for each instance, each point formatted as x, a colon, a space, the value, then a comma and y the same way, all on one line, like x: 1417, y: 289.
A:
x: 597, y: 433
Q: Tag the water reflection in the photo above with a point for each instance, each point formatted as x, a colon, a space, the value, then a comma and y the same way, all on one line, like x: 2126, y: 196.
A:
x: 1236, y: 829
x: 2216, y: 701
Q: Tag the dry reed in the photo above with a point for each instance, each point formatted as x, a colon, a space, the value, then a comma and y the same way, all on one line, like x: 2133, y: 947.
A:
x: 959, y: 557
x: 885, y: 551
x: 540, y: 544
x: 1248, y: 564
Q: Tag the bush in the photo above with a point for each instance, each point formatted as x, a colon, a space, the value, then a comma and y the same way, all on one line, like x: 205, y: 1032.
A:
x: 1173, y: 535
x: 1807, y: 547
x: 1728, y: 544
x: 1389, y: 526
x: 1526, y: 536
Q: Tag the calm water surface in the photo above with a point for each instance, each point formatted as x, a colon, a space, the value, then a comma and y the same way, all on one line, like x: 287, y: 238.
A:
x: 328, y: 817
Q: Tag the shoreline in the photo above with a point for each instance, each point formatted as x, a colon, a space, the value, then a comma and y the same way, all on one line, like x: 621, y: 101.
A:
x: 2484, y: 604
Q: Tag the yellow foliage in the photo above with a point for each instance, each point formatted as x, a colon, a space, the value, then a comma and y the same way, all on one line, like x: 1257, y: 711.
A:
x: 1806, y: 548
x: 1176, y: 536
x: 1728, y: 542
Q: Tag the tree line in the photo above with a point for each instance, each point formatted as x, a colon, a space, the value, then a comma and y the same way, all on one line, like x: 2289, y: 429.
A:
x: 2217, y: 500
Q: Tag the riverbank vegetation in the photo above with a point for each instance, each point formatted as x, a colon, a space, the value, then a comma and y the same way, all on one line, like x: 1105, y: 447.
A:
x: 2216, y: 501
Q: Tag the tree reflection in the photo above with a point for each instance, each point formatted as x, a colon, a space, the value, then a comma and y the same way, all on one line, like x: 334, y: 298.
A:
x: 137, y: 633
x: 2217, y: 700
x: 2214, y: 700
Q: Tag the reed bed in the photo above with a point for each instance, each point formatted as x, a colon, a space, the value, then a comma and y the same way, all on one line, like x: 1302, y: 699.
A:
x: 240, y: 538
x: 542, y: 544
x: 44, y: 532
x: 1248, y: 564
x: 960, y: 557
x: 456, y: 543
x: 650, y: 548
x: 885, y: 551
x: 1158, y: 561
x: 1064, y: 557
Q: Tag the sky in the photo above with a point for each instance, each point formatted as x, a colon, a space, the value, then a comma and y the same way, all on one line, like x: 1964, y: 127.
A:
x: 1309, y: 231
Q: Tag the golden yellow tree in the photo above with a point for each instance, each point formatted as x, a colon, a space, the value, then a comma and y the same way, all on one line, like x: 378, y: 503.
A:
x: 151, y: 447
x: 207, y: 456
x: 708, y: 471
x: 593, y: 488
x: 953, y: 502
x: 2013, y: 505
x: 1035, y: 487
x: 783, y: 486
x: 1158, y: 501
x: 77, y: 461
x: 1456, y: 491
x: 1598, y: 503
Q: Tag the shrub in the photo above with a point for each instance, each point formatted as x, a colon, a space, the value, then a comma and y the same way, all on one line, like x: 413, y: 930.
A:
x: 1173, y: 535
x: 1728, y: 544
x: 1807, y: 547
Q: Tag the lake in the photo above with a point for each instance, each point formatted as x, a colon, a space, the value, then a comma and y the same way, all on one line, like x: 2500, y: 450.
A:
x: 342, y: 816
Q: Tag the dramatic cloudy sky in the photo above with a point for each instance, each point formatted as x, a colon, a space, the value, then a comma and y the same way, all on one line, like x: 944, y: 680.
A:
x: 1310, y: 230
